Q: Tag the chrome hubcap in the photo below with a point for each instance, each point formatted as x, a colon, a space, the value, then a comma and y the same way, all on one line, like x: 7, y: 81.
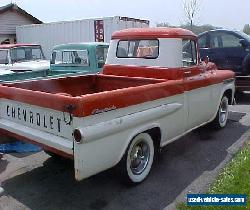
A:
x: 139, y: 157
x: 223, y: 112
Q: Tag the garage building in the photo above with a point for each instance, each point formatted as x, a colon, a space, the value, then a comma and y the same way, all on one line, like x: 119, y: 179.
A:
x: 12, y: 16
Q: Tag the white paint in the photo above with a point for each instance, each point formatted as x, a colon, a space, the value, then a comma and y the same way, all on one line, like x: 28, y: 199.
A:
x: 136, y: 178
x: 200, y: 107
x: 26, y: 66
x: 48, y: 114
x: 170, y: 55
x: 36, y: 135
x: 117, y: 125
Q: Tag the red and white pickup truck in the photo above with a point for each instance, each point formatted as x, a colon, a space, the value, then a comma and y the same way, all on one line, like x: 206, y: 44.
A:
x: 152, y: 91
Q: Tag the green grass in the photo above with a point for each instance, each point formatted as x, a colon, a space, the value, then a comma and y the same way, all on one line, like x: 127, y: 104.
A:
x: 234, y: 179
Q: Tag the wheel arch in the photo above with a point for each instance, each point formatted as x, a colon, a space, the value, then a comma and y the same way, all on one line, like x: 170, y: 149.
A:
x: 155, y: 132
x: 230, y: 95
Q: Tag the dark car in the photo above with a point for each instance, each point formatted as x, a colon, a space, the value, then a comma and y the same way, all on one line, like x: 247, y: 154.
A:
x: 227, y: 49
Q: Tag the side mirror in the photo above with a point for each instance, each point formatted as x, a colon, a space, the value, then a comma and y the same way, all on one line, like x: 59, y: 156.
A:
x: 243, y: 43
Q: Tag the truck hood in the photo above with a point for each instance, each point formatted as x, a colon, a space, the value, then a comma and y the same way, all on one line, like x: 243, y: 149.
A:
x: 5, y: 71
x: 30, y: 65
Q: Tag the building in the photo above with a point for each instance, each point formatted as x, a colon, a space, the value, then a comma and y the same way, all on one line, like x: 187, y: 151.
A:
x: 12, y: 16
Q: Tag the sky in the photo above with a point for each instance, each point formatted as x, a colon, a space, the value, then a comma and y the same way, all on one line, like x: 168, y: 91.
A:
x: 229, y: 14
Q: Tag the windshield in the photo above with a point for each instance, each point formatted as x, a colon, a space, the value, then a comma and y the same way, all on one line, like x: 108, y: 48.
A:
x: 4, y: 57
x: 245, y: 36
x: 30, y: 53
x: 70, y: 57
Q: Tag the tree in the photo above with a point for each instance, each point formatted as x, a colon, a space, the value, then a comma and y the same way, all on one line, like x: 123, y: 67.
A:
x: 246, y: 29
x: 163, y: 24
x: 191, y: 9
x: 197, y: 29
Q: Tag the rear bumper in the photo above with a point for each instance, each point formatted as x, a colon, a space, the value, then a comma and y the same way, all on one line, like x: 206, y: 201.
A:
x: 53, y: 143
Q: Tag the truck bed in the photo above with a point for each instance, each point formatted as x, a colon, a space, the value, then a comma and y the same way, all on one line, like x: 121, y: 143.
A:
x: 84, y: 95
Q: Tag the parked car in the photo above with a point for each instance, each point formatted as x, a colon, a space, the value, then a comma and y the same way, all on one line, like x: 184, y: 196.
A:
x: 22, y: 57
x: 228, y: 50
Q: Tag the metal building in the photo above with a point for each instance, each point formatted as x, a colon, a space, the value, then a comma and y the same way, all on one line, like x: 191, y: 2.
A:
x: 87, y: 30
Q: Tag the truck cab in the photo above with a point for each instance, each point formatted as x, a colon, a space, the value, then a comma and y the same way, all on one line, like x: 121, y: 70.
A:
x: 173, y: 55
x: 79, y: 57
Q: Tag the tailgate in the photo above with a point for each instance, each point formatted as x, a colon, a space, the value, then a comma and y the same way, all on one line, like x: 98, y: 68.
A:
x: 45, y: 126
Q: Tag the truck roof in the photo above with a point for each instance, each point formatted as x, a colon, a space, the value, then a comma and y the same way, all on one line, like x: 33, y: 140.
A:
x: 79, y: 46
x: 9, y: 46
x: 160, y: 32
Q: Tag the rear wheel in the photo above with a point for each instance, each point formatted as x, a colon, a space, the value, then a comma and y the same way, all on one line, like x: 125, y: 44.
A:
x: 138, y: 159
x: 222, y: 115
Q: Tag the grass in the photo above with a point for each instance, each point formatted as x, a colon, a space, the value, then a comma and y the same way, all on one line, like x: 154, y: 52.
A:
x: 234, y: 179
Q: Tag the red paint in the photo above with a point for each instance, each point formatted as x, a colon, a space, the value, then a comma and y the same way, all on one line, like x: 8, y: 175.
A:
x: 91, y: 92
x: 153, y: 33
x: 8, y: 46
x: 143, y: 71
x: 86, y: 93
x: 99, y: 30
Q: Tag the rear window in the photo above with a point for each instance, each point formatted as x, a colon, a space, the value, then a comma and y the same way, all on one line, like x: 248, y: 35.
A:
x: 70, y: 57
x: 138, y: 49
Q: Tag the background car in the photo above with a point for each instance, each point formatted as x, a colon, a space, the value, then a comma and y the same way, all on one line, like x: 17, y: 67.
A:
x: 227, y: 49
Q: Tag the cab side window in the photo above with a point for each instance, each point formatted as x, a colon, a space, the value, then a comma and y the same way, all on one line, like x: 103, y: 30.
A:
x: 215, y: 41
x: 220, y: 39
x: 189, y: 53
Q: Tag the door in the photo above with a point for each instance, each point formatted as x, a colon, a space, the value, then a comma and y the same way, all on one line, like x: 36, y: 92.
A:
x: 198, y: 91
x: 226, y: 51
x: 234, y: 51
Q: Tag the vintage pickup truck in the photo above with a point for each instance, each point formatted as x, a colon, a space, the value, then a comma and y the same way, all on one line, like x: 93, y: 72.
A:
x: 67, y: 59
x: 22, y: 57
x: 152, y: 91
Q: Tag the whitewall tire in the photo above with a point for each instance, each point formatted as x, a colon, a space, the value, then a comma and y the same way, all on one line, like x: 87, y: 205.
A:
x: 222, y: 115
x: 138, y: 159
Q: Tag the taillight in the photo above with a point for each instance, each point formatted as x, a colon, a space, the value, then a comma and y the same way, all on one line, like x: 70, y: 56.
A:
x: 77, y: 135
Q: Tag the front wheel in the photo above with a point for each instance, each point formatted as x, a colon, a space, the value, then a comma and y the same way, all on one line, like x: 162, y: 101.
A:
x: 221, y: 118
x: 138, y: 159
